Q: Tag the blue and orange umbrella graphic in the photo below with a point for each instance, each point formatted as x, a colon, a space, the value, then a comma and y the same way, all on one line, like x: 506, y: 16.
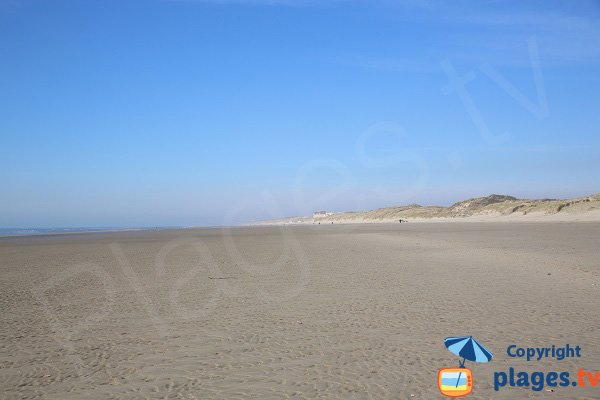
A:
x: 458, y: 382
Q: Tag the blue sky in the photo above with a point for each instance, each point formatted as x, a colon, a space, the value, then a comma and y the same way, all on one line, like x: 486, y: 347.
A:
x: 190, y: 112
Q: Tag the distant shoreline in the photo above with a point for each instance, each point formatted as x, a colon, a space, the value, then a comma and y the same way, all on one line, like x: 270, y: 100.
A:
x: 50, y: 232
x: 25, y: 232
x: 492, y: 208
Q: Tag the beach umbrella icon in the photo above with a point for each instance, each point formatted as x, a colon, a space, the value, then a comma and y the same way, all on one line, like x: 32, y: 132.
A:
x: 469, y: 349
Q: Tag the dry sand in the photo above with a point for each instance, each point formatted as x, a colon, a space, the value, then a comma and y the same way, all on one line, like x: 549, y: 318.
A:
x: 340, y: 312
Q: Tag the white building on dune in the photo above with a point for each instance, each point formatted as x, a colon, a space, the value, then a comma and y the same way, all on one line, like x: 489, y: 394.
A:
x: 321, y: 214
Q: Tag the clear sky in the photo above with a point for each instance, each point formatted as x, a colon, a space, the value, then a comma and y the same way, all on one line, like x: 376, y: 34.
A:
x: 190, y: 112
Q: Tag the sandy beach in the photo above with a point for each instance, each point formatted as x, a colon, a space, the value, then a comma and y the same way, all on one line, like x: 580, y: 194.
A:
x: 330, y: 311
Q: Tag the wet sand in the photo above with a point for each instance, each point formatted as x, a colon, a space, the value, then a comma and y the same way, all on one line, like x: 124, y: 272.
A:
x: 340, y: 312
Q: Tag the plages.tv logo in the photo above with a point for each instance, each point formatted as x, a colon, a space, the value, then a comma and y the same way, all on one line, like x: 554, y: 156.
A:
x: 458, y: 382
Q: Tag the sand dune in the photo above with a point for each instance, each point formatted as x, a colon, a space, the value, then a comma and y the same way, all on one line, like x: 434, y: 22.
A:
x: 330, y: 312
x: 482, y: 209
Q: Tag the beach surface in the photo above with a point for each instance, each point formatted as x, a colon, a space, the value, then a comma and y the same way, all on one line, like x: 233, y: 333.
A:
x: 322, y: 311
